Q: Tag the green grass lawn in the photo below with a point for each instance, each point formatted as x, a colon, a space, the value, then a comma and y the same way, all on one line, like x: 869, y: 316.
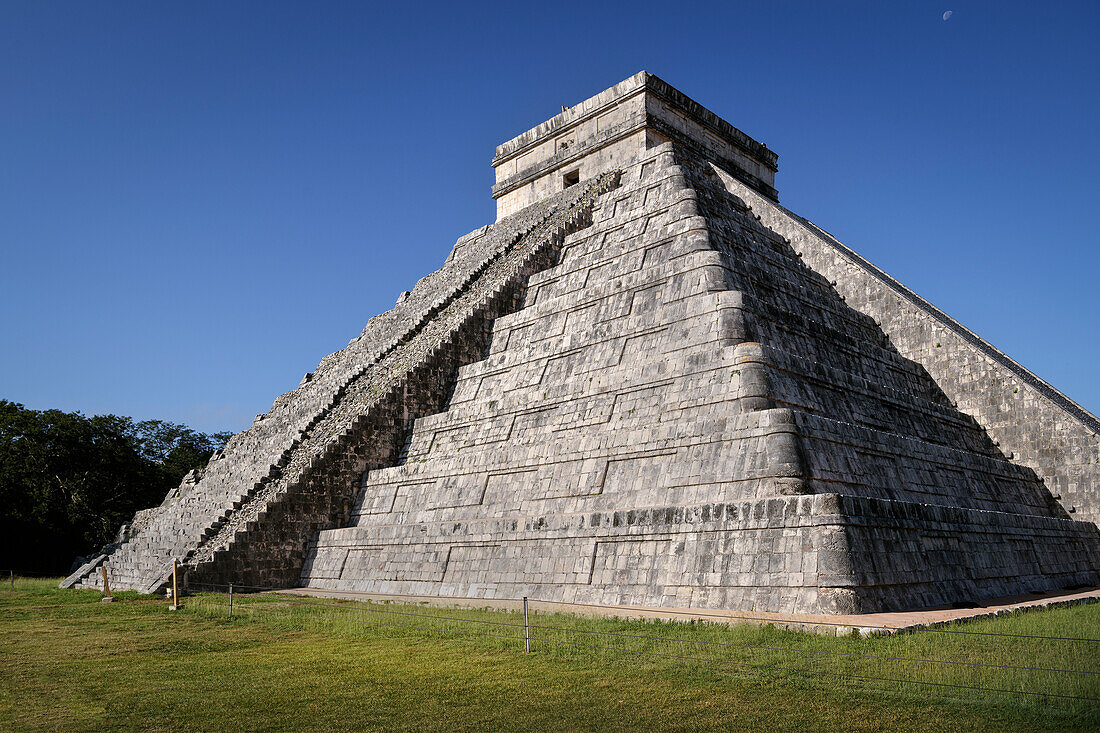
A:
x: 72, y: 663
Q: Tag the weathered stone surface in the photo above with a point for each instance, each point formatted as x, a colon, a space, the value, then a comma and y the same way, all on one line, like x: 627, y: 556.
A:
x: 648, y: 384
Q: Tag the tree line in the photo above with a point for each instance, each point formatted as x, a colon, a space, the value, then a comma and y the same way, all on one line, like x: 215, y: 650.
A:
x: 68, y: 482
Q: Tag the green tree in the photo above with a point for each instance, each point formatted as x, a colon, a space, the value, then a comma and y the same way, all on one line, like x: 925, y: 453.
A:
x: 68, y: 482
x: 176, y: 448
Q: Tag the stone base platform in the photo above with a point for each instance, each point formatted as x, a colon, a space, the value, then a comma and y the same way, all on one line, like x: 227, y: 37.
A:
x: 819, y: 554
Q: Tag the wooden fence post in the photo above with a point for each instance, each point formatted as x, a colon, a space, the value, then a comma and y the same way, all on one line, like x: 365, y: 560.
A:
x: 526, y: 629
x: 175, y: 586
x: 106, y: 585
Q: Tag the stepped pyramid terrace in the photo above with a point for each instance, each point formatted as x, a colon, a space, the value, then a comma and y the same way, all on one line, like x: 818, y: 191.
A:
x: 648, y: 384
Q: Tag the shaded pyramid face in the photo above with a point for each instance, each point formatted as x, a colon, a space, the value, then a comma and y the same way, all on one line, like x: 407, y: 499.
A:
x: 647, y: 384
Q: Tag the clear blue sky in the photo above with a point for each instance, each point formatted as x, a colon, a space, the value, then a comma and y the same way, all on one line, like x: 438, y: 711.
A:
x: 200, y: 200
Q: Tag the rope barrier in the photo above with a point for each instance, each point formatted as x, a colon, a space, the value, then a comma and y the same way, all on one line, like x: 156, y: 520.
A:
x: 267, y: 607
x: 407, y: 626
x: 711, y: 660
x: 700, y: 614
x: 818, y: 651
x: 550, y: 638
x: 818, y: 672
x: 292, y: 601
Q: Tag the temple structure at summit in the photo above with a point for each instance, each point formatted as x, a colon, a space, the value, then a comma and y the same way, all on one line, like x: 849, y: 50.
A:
x: 647, y: 383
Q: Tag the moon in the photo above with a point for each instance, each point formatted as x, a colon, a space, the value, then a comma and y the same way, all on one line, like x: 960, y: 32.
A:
x: 948, y: 14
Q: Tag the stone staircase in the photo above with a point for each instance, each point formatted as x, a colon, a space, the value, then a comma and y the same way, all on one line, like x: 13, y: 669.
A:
x: 306, y: 471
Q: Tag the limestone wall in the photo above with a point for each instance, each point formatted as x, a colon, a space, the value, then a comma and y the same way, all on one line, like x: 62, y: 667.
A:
x: 897, y: 555
x: 792, y: 554
x: 754, y: 555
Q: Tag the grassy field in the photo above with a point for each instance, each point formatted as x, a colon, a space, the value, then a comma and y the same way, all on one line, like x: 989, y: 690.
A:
x: 283, y: 663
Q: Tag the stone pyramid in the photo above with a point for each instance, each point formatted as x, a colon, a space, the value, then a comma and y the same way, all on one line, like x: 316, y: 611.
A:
x: 649, y: 384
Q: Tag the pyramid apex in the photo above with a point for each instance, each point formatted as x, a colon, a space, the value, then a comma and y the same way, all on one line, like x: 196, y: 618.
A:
x: 614, y: 126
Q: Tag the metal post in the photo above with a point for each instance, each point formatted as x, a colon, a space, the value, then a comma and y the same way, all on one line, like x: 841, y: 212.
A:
x: 106, y: 586
x: 12, y: 579
x: 230, y: 600
x: 175, y: 586
x: 526, y: 629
